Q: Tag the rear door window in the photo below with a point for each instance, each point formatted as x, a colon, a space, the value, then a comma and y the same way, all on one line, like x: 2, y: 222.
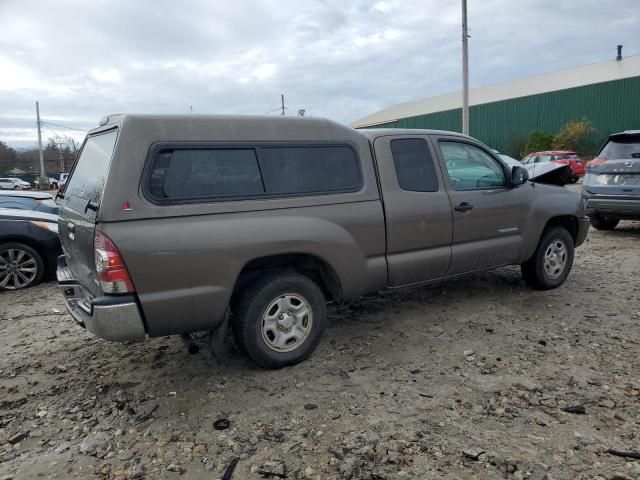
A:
x: 89, y: 177
x: 414, y: 165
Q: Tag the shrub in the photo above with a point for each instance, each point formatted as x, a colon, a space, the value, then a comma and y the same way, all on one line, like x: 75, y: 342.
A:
x: 538, y: 141
x: 577, y: 136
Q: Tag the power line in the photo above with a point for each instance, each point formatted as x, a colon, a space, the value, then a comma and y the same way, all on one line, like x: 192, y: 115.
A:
x: 63, y: 126
x: 274, y: 110
x: 56, y: 134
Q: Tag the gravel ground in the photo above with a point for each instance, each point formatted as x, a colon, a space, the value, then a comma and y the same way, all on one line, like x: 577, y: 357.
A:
x: 465, y: 379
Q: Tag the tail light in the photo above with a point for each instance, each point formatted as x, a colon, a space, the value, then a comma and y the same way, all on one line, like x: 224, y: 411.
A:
x: 112, y: 272
x: 595, y: 162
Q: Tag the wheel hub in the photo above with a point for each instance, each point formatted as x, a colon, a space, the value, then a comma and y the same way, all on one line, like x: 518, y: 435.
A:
x: 17, y: 268
x: 555, y: 259
x: 286, y: 321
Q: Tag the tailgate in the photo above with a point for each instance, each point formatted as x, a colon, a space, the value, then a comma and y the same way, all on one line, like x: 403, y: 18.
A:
x: 614, y: 177
x: 79, y: 208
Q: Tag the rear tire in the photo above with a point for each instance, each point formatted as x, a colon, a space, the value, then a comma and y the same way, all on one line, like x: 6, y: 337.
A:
x: 603, y: 223
x: 280, y: 319
x: 20, y: 266
x: 573, y: 179
x: 552, y: 261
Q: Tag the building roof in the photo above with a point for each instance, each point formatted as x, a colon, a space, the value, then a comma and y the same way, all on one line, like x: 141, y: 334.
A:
x: 548, y: 82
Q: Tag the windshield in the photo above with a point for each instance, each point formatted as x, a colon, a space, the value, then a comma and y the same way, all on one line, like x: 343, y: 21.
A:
x: 88, y: 179
x: 621, y: 147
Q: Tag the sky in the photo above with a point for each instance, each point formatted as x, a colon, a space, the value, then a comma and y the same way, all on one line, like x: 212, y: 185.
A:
x: 341, y: 59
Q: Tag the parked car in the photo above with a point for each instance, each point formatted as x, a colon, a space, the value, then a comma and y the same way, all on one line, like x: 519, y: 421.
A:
x: 177, y: 224
x: 37, y: 201
x: 63, y: 179
x: 563, y: 157
x: 54, y: 183
x: 29, y: 247
x: 10, y: 183
x: 550, y: 173
x: 611, y: 188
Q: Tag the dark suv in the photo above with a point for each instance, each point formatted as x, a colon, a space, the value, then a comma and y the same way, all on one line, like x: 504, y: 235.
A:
x: 611, y: 189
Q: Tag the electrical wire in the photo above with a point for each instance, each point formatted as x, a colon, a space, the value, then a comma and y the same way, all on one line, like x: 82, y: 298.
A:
x: 62, y: 126
x: 274, y: 110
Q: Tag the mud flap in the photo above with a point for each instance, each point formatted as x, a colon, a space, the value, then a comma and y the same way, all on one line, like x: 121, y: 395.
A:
x: 215, y: 342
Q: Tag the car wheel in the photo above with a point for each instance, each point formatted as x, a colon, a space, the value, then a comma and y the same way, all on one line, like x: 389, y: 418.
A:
x: 280, y: 320
x: 603, y: 223
x: 552, y: 261
x: 573, y: 179
x: 20, y: 266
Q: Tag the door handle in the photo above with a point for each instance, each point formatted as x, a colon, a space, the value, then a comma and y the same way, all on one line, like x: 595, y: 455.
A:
x: 463, y: 207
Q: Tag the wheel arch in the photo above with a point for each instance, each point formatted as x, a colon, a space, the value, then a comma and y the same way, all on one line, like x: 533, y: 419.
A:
x: 315, y: 268
x: 568, y: 222
x: 26, y: 241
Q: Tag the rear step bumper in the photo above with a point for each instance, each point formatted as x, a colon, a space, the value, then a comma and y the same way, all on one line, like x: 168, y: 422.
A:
x: 610, y: 206
x: 115, y: 318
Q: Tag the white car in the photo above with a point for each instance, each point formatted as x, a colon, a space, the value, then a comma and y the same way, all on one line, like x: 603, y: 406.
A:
x: 14, y: 184
x: 63, y: 179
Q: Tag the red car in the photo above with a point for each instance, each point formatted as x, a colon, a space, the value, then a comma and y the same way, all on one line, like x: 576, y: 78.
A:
x: 558, y: 156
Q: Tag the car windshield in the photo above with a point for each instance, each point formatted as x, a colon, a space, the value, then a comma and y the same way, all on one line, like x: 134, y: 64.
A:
x: 627, y: 146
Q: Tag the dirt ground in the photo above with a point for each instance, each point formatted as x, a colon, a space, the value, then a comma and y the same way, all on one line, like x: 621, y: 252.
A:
x: 465, y: 379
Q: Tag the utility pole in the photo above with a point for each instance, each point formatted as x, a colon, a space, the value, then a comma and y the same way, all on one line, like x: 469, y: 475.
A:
x: 282, y: 99
x: 465, y: 71
x: 60, y: 144
x: 44, y: 181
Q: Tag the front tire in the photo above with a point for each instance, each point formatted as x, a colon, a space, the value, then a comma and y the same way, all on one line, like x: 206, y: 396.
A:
x: 20, y: 266
x: 603, y: 223
x: 280, y: 319
x: 552, y: 261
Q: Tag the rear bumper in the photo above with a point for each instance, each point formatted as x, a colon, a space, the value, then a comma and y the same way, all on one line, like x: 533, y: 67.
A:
x: 115, y: 318
x: 614, y: 207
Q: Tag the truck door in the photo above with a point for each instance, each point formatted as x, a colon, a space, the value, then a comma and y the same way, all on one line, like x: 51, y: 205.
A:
x: 488, y: 215
x: 417, y: 209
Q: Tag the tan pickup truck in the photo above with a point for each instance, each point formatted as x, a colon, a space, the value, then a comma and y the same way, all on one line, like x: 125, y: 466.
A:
x: 177, y: 224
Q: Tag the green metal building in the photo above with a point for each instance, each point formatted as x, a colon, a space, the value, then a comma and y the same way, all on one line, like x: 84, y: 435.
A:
x: 503, y: 115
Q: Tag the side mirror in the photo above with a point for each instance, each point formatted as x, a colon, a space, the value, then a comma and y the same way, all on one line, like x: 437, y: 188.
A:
x: 519, y: 175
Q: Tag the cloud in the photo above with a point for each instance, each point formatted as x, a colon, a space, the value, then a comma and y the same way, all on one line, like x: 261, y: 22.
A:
x: 337, y: 59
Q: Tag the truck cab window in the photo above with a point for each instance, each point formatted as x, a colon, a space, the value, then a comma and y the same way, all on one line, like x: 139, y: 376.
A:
x: 414, y: 165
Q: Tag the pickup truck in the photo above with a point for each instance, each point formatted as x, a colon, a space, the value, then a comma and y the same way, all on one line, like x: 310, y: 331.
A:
x: 177, y: 224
